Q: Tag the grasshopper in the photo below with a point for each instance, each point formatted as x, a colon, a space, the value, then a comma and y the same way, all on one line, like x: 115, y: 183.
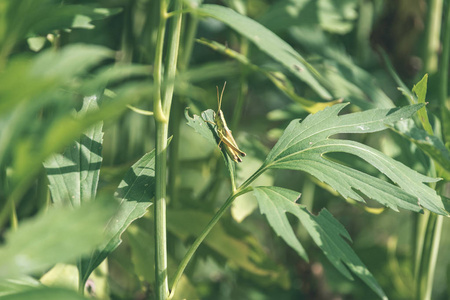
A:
x: 225, y: 135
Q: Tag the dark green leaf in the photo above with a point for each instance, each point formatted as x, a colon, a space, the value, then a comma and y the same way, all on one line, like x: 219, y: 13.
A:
x: 429, y: 144
x: 245, y: 254
x: 135, y: 192
x: 325, y: 230
x: 344, y: 78
x: 267, y: 42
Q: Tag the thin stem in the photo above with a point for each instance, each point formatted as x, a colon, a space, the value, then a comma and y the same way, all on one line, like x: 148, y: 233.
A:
x: 190, y: 253
x: 434, y: 251
x: 244, y: 188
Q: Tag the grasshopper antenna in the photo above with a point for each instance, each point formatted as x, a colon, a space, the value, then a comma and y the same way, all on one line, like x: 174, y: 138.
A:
x: 221, y: 95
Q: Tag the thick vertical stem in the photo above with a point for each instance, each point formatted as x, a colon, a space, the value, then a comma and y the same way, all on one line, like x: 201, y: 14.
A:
x: 161, y: 280
x: 162, y: 287
x: 162, y: 104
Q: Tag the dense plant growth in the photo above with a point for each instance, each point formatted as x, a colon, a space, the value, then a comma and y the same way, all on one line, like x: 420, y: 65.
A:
x: 116, y: 181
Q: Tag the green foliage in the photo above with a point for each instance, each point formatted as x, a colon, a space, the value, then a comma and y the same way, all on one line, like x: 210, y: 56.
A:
x: 42, y: 241
x: 267, y: 42
x: 45, y: 293
x: 76, y: 189
x: 135, y: 193
x: 74, y: 174
x: 325, y: 230
x: 303, y: 146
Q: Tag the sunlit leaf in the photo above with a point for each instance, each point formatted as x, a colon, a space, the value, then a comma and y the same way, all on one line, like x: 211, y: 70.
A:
x: 73, y: 175
x: 324, y: 229
x: 337, y: 16
x: 420, y: 89
x: 304, y: 144
x: 12, y: 286
x: 45, y: 293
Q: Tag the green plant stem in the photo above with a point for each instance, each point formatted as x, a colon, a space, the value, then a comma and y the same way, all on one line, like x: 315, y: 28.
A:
x: 428, y: 256
x: 161, y: 280
x: 162, y: 111
x: 162, y: 287
x: 434, y: 251
x: 190, y: 253
x: 443, y: 78
x: 432, y: 34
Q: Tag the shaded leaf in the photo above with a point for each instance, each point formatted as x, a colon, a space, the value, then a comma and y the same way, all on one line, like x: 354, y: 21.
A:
x: 344, y: 78
x: 143, y: 254
x: 429, y: 144
x: 246, y: 255
x: 268, y: 42
x: 324, y: 229
x: 135, y: 192
x: 333, y: 16
x: 304, y: 144
x: 279, y: 79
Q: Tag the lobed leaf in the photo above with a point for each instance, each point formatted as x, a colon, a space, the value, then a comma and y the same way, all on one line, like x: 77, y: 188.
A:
x: 324, y: 229
x: 304, y: 144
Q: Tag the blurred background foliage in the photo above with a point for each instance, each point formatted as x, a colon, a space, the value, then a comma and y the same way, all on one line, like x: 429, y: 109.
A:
x: 54, y: 54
